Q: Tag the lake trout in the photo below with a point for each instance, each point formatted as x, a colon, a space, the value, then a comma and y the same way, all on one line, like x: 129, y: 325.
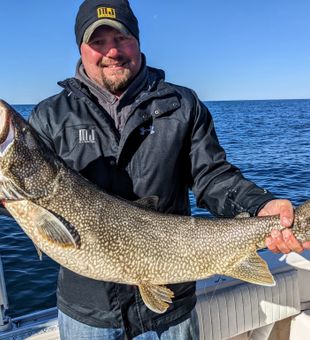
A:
x: 107, y: 238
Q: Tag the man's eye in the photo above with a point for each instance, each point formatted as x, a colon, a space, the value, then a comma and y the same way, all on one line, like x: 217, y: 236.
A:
x: 97, y: 42
x: 122, y: 38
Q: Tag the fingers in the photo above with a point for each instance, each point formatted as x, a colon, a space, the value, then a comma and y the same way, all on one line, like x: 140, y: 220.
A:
x: 277, y: 243
x: 271, y: 245
x: 286, y: 215
x: 306, y: 245
x: 281, y: 207
x: 284, y: 242
x: 281, y: 242
x: 291, y: 242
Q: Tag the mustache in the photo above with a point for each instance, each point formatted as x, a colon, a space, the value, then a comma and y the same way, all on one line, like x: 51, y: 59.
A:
x: 113, y: 62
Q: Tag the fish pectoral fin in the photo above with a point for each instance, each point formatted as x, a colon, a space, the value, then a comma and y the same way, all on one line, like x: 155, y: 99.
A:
x: 10, y: 191
x: 252, y: 269
x: 156, y: 298
x: 55, y: 229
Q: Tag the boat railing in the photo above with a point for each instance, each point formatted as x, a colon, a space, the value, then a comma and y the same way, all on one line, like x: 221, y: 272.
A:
x: 5, y: 321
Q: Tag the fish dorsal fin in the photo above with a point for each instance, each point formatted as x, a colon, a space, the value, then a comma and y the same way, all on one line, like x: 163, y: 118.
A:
x: 149, y: 202
x: 156, y: 298
x: 55, y: 228
x: 243, y: 215
x: 252, y: 269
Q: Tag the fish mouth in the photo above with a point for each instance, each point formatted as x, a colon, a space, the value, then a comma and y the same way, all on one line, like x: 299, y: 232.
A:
x: 4, y: 121
x: 6, y: 127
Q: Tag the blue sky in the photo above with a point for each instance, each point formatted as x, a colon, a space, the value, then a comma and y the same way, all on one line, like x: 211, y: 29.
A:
x: 223, y: 49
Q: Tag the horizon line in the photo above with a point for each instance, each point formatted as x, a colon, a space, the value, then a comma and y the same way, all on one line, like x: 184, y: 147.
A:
x: 215, y: 100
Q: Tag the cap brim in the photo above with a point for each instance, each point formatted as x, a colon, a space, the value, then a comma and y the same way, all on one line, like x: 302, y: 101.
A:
x: 101, y: 22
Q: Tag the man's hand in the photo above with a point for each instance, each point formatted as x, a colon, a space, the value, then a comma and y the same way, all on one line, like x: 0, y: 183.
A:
x: 285, y: 241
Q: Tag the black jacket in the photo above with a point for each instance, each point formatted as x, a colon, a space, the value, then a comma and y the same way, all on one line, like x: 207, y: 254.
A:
x: 168, y: 146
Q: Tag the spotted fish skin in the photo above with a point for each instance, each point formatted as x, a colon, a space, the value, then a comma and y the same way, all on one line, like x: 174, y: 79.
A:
x: 106, y: 238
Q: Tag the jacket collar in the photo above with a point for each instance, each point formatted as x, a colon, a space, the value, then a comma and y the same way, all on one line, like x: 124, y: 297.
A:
x: 155, y: 87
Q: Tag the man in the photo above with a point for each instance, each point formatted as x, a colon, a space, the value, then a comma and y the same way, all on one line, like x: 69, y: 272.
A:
x: 120, y: 125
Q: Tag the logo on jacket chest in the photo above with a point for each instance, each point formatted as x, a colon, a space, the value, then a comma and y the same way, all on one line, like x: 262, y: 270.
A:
x: 145, y: 131
x: 87, y: 136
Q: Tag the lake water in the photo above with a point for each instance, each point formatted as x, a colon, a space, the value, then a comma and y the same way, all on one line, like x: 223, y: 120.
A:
x: 268, y: 140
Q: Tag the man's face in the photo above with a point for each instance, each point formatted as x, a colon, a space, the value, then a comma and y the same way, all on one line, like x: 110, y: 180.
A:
x: 111, y: 59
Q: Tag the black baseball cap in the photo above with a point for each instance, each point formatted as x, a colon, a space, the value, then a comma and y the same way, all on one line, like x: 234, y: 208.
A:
x: 114, y: 13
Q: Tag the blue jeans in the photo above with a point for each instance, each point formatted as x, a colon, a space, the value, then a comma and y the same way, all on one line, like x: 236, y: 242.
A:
x: 71, y: 329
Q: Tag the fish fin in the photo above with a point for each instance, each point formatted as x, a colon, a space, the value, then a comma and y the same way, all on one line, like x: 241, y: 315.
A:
x: 10, y: 191
x: 40, y: 254
x: 243, y: 215
x: 156, y: 298
x: 252, y: 269
x: 149, y: 202
x: 55, y: 228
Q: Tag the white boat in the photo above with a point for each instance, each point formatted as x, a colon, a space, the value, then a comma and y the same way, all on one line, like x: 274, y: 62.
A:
x: 226, y: 308
x: 235, y: 310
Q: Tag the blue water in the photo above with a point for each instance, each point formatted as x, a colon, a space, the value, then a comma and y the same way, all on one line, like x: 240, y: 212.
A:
x: 268, y: 140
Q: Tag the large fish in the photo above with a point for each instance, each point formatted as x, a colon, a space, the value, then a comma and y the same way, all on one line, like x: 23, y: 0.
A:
x: 106, y: 238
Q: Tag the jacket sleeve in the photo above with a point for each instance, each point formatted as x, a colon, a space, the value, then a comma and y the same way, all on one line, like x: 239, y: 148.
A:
x: 218, y: 185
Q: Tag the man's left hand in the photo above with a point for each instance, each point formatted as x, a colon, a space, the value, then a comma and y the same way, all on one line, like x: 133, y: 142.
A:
x: 285, y: 241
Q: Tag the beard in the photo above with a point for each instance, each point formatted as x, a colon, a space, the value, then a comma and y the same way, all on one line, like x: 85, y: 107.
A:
x: 115, y: 81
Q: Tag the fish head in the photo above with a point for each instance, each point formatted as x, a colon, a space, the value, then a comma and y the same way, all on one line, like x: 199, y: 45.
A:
x: 27, y: 166
x: 302, y: 220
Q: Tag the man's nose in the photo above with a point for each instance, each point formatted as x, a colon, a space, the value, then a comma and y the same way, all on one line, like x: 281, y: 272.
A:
x: 112, y: 52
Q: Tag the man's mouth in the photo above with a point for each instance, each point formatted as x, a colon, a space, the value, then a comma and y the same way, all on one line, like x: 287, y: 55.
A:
x: 114, y: 65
